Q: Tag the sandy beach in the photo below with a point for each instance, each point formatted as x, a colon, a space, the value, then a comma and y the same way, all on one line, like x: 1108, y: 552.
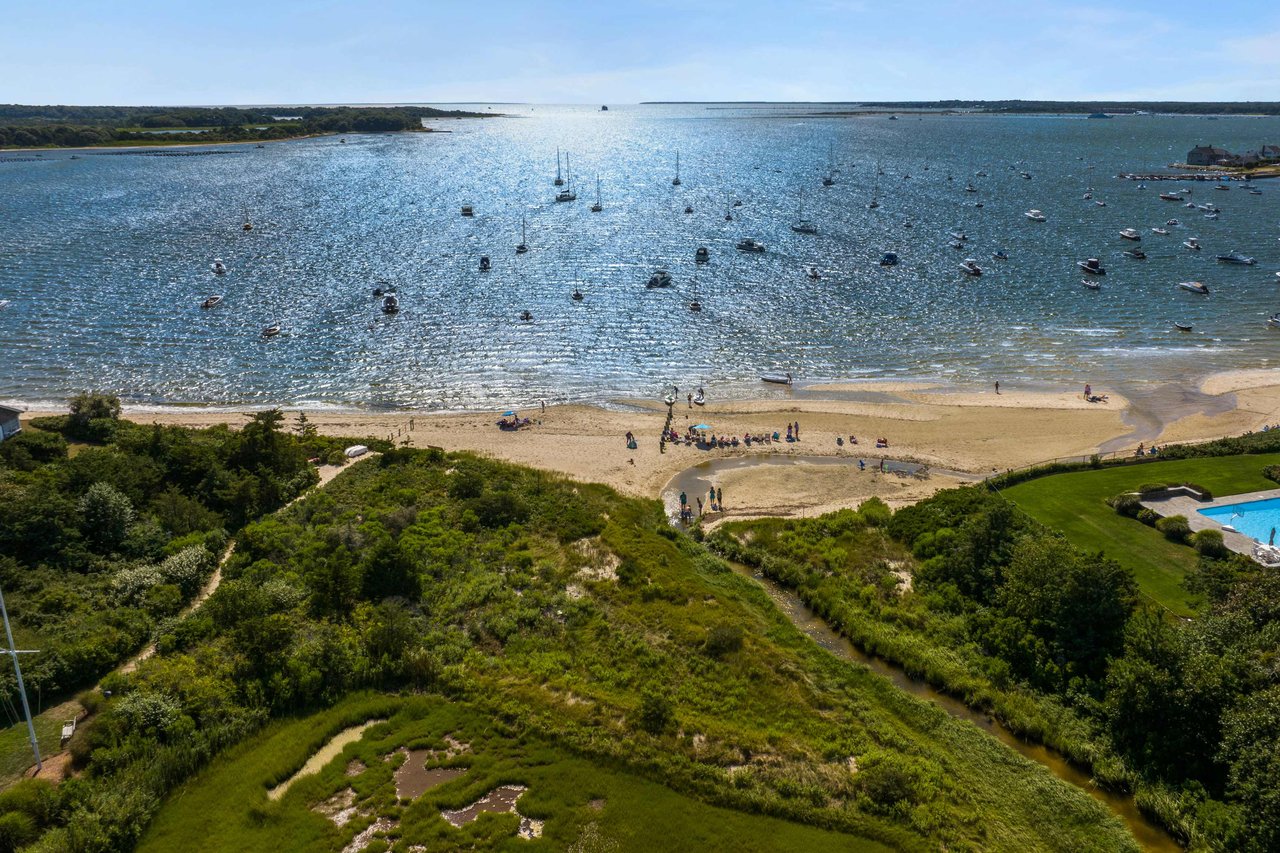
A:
x: 963, y: 430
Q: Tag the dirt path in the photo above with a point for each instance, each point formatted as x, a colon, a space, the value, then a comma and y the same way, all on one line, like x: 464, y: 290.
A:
x: 56, y: 764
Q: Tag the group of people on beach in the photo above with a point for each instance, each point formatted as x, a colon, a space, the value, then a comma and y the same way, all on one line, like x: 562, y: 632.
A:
x: 715, y: 502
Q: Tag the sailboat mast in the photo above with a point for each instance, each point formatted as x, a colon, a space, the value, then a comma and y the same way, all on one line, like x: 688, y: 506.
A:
x: 557, y: 165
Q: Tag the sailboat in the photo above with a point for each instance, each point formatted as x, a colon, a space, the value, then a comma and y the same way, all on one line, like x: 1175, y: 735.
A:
x: 523, y: 245
x: 830, y: 179
x: 675, y: 182
x: 598, y: 206
x: 559, y: 180
x: 694, y: 304
x: 248, y: 226
x: 728, y: 211
x: 802, y: 225
x: 567, y: 194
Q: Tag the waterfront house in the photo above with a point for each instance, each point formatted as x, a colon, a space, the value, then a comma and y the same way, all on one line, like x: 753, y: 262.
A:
x: 1269, y: 152
x: 1208, y: 155
x: 9, y: 423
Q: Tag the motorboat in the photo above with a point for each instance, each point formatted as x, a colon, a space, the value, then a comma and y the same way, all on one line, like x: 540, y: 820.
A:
x: 484, y: 263
x: 390, y: 304
x: 1194, y: 287
x: 1254, y: 191
x: 970, y: 188
x: 747, y: 244
x: 956, y: 244
x: 1222, y: 187
x: 1182, y: 327
x: 526, y: 315
x: 1092, y: 266
x: 1136, y: 254
x: 688, y: 208
x: 813, y: 274
x: 958, y: 235
x: 1100, y: 203
x: 1035, y: 215
x: 1163, y: 232
x: 970, y: 267
x: 468, y: 210
x: 1192, y: 243
x: 1130, y: 234
x: 980, y: 174
x: 873, y: 204
x: 577, y: 295
x: 1091, y: 285
x: 1274, y: 321
x: 702, y: 255
x: 211, y: 302
x: 1190, y: 204
x: 1236, y: 258
x: 1000, y: 255
x: 1087, y: 196
x: 4, y: 303
x: 1211, y: 216
x: 218, y: 266
x: 889, y: 259
x: 1171, y: 196
x: 1209, y: 208
x: 699, y: 398
x: 660, y: 278
x: 1172, y: 222
x: 271, y: 331
x: 776, y: 378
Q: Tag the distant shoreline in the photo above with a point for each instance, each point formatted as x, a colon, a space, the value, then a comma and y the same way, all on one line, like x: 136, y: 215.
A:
x: 134, y: 145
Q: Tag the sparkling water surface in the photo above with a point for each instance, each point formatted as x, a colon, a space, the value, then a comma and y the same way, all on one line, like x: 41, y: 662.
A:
x: 105, y: 259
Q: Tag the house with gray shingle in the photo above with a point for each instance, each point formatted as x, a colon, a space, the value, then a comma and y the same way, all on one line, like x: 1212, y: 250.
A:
x: 9, y: 423
x: 1208, y: 155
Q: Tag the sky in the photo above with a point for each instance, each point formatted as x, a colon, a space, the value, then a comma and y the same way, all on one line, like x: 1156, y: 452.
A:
x: 140, y: 52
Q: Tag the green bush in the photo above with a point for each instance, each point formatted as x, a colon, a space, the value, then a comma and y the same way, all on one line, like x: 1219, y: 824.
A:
x: 723, y: 639
x: 1148, y: 517
x: 1148, y: 488
x: 1272, y: 472
x: 1174, y: 528
x: 1126, y: 503
x: 1209, y: 543
x: 655, y: 715
x: 17, y: 830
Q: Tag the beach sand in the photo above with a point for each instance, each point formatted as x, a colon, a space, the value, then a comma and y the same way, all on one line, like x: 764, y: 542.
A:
x: 962, y: 430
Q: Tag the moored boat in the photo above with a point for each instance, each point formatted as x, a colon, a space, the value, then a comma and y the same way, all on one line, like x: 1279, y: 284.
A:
x: 1035, y: 215
x: 1092, y: 285
x: 390, y: 304
x: 702, y: 255
x: 1182, y: 327
x: 1171, y: 196
x: 1194, y: 287
x: 747, y: 244
x: 1237, y: 259
x: 271, y: 331
x: 970, y: 267
x: 776, y: 378
x: 218, y: 266
x: 1192, y: 243
x: 1092, y: 266
x: 660, y: 278
x: 1130, y: 234
x: 208, y: 303
x: 1163, y: 232
x: 889, y: 259
x: 1136, y: 254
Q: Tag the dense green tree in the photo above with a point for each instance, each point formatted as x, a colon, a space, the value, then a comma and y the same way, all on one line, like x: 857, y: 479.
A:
x: 105, y: 515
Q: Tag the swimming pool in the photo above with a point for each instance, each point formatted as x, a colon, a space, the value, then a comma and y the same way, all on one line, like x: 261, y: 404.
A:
x: 1252, y: 518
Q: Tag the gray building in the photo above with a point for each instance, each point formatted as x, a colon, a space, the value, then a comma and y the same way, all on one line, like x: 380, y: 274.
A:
x: 1208, y: 155
x: 9, y: 423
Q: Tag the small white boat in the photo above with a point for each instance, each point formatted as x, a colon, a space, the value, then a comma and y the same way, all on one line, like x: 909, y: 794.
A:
x: 218, y: 266
x: 1163, y: 232
x: 1130, y: 234
x: 1274, y: 321
x: 970, y: 267
x: 1172, y: 222
x: 355, y: 450
x: 1135, y: 253
x: 208, y: 303
x: 1182, y: 327
x: 1092, y: 285
x: 1236, y: 258
x: 1035, y: 215
x: 959, y: 235
x: 776, y: 378
x: 1222, y: 187
x: 1194, y: 287
x: 1092, y: 266
x: 699, y: 398
x: 1192, y: 243
x: 660, y: 278
x: 746, y: 244
x: 271, y: 331
x: 1100, y: 203
x: 4, y: 303
x: 1170, y: 196
x: 1254, y: 191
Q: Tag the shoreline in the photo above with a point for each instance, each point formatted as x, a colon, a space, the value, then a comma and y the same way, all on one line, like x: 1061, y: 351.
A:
x: 959, y: 429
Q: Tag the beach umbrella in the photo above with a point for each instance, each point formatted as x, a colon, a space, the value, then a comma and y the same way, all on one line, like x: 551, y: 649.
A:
x: 508, y: 414
x: 702, y: 426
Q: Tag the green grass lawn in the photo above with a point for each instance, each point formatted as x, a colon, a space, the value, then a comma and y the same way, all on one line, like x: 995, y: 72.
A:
x: 1075, y: 504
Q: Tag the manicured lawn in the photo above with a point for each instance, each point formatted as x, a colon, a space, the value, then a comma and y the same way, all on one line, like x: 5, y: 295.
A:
x: 1075, y: 504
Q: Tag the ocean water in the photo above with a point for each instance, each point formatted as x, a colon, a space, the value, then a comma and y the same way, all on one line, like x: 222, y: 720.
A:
x: 105, y: 259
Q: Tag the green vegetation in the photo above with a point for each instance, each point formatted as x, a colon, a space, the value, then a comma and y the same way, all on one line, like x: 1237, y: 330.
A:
x: 582, y: 646
x: 101, y: 547
x: 1076, y: 504
x: 226, y: 809
x: 1073, y: 107
x: 1016, y: 621
x: 60, y: 127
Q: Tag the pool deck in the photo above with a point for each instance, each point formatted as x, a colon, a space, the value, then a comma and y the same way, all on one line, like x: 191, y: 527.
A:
x: 1189, y: 507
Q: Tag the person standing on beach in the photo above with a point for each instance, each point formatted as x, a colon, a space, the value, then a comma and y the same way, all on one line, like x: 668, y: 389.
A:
x: 684, y: 499
x: 699, y: 500
x: 720, y: 500
x: 797, y: 430
x: 1088, y: 391
x: 544, y: 406
x: 690, y: 397
x: 997, y: 386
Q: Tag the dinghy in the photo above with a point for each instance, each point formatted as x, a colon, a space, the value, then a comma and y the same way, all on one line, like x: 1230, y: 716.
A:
x: 208, y: 303
x: 1194, y: 287
x: 776, y: 378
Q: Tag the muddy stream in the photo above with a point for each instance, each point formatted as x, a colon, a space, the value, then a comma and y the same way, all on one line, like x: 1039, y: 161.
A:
x: 1149, y: 835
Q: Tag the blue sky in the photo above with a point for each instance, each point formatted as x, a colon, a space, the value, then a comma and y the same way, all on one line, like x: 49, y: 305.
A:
x: 279, y: 51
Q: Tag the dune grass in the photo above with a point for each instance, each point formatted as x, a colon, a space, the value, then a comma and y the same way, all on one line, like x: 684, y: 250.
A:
x: 1075, y: 503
